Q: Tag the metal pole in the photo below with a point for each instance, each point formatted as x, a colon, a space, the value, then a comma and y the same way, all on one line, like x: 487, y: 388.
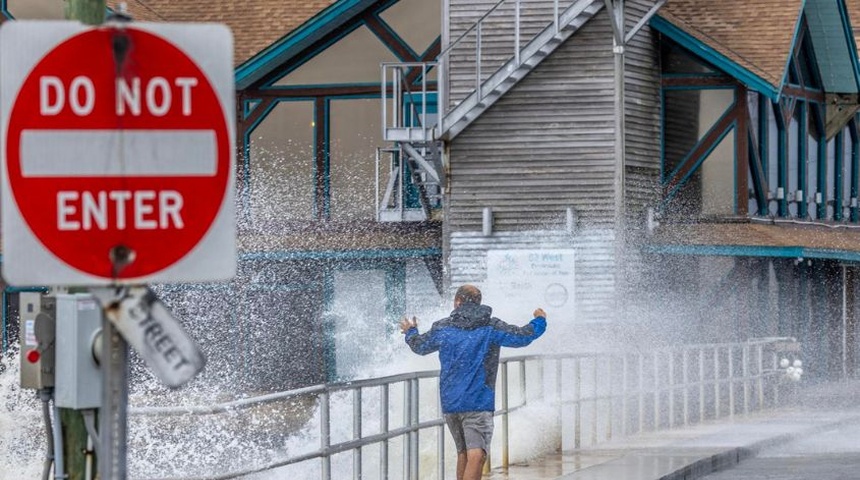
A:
x: 656, y: 390
x: 686, y: 379
x: 558, y: 384
x: 625, y: 374
x: 609, y: 399
x: 505, y: 445
x: 701, y: 385
x: 325, y: 436
x: 407, y: 422
x: 113, y: 418
x: 617, y: 17
x: 745, y: 353
x: 760, y: 379
x: 595, y: 366
x: 577, y: 432
x: 641, y: 392
x: 414, y: 433
x: 670, y: 384
x: 384, y: 94
x: 440, y: 452
x: 383, y: 427
x: 716, y: 382
x: 356, y: 432
x: 731, y: 381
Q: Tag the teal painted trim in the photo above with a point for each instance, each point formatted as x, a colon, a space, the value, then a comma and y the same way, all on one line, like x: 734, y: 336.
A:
x: 735, y: 154
x: 764, y: 143
x: 712, y: 56
x: 838, y: 163
x: 297, y: 63
x: 726, y: 113
x: 4, y: 341
x: 287, y: 88
x: 249, y: 105
x: 849, y: 37
x: 326, y: 21
x: 794, y: 36
x: 245, y: 201
x: 329, y: 328
x: 753, y: 251
x: 782, y: 160
x: 395, y: 294
x: 822, y: 176
x: 327, y: 159
x: 703, y: 87
x: 802, y: 157
x: 342, y: 254
x: 855, y: 166
x: 703, y: 75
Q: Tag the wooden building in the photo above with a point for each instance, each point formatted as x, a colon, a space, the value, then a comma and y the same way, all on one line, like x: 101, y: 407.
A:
x: 701, y: 161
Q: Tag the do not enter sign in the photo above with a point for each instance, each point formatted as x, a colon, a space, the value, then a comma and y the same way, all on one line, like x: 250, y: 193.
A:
x: 118, y: 154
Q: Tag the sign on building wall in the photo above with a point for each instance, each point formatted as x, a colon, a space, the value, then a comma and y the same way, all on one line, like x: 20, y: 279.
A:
x: 118, y: 153
x: 518, y: 281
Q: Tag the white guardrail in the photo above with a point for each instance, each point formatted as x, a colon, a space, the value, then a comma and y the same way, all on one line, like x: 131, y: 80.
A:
x: 596, y: 396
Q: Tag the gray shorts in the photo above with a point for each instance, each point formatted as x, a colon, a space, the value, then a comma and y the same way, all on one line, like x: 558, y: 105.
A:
x: 471, y: 430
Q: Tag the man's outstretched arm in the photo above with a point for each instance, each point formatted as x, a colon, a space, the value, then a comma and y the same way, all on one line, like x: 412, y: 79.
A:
x: 512, y: 336
x: 422, y: 344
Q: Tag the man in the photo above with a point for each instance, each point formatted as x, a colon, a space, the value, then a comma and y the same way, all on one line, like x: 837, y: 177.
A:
x: 468, y: 343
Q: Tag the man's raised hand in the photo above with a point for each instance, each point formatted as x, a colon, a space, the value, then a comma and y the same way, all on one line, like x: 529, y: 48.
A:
x: 539, y: 313
x: 406, y: 324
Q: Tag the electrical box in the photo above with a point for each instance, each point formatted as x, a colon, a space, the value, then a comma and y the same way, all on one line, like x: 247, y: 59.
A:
x: 79, y: 379
x: 36, y: 313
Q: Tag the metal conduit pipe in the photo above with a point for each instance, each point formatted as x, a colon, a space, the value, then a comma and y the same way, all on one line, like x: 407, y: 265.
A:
x: 59, y: 468
x: 45, y: 396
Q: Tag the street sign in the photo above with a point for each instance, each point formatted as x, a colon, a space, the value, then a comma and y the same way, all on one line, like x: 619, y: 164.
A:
x: 147, y: 325
x: 118, y: 153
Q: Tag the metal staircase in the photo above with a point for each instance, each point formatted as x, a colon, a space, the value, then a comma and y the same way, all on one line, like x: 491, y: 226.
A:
x: 417, y: 129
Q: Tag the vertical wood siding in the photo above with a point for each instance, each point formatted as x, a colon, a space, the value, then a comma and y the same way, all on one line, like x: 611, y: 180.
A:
x: 594, y: 300
x: 545, y: 146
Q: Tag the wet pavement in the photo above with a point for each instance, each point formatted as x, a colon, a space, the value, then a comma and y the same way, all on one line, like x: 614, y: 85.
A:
x: 696, y: 452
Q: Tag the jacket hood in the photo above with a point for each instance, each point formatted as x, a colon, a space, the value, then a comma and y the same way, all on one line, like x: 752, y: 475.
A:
x: 471, y: 315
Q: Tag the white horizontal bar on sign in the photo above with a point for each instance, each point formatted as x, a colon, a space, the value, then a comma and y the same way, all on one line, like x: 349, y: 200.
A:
x: 113, y: 153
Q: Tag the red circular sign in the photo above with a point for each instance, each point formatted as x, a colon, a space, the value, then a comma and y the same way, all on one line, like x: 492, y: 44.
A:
x: 117, y: 139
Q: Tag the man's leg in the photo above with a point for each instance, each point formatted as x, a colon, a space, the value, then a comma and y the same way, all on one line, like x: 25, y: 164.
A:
x: 455, y: 425
x: 474, y: 463
x: 461, y: 465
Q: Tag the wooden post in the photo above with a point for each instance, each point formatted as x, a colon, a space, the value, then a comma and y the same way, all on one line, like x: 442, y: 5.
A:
x: 90, y: 12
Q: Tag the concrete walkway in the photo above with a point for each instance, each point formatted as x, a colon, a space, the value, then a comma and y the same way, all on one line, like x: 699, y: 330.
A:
x: 693, y: 452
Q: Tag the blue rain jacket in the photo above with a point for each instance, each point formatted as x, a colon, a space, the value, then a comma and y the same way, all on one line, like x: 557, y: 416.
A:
x: 468, y: 343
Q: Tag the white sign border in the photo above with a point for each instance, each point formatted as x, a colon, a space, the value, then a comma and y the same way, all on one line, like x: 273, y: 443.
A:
x: 25, y: 260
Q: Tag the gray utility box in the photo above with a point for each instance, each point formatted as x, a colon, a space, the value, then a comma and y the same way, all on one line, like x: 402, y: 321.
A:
x: 36, y: 313
x: 79, y: 380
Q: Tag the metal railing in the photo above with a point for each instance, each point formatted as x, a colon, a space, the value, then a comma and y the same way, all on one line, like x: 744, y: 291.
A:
x: 595, y: 397
x: 405, y: 105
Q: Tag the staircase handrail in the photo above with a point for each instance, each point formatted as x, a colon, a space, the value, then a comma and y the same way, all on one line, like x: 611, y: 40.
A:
x: 470, y: 29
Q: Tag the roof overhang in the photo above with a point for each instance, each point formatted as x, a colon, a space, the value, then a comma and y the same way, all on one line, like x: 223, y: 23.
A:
x: 716, y: 58
x: 753, y: 239
x: 296, y: 41
x: 834, y: 45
